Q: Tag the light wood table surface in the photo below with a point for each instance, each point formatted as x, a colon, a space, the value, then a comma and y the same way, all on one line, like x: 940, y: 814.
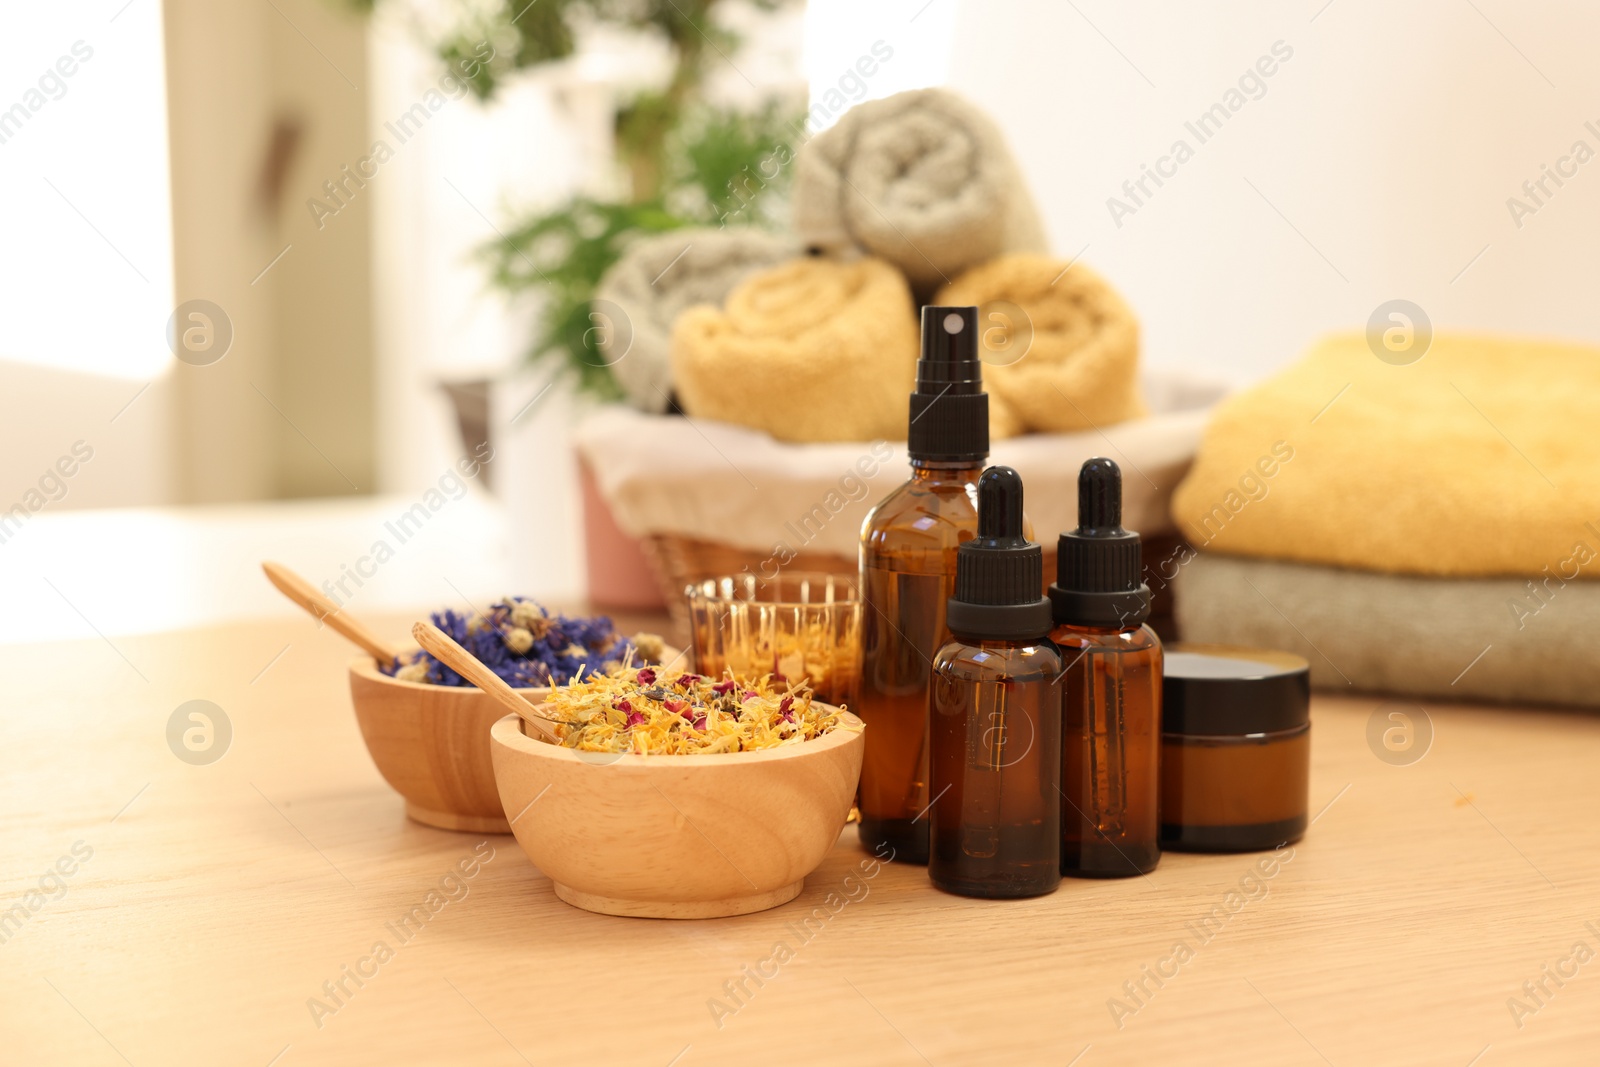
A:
x: 208, y: 905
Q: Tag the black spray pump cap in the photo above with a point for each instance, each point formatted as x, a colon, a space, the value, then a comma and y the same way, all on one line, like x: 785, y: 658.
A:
x: 999, y: 572
x: 949, y: 409
x: 1098, y: 565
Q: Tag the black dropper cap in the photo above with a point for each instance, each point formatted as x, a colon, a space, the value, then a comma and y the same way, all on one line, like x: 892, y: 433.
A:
x: 1098, y: 564
x: 949, y: 409
x: 999, y: 572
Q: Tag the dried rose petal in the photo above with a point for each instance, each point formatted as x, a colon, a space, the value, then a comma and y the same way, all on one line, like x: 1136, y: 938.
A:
x: 646, y: 676
x: 722, y: 688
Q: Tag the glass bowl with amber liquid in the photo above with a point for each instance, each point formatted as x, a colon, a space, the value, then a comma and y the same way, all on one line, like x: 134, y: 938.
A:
x: 792, y: 626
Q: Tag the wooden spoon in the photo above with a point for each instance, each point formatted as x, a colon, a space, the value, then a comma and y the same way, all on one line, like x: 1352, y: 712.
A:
x: 444, y: 648
x: 322, y: 609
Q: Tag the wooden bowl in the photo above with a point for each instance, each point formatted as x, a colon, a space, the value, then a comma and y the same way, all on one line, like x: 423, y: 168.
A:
x: 431, y: 744
x: 677, y: 837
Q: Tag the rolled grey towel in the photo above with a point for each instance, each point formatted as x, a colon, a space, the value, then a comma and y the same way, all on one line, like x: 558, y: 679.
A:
x: 658, y: 277
x: 1527, y: 641
x: 922, y: 179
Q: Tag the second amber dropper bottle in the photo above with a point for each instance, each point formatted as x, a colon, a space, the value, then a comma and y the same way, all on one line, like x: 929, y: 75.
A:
x: 1111, y: 688
x: 908, y: 571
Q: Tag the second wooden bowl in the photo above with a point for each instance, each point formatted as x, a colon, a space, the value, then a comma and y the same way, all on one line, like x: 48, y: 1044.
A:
x: 677, y: 837
x: 431, y: 744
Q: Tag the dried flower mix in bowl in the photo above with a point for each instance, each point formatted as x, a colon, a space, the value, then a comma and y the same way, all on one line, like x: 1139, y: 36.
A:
x: 527, y: 646
x: 676, y: 713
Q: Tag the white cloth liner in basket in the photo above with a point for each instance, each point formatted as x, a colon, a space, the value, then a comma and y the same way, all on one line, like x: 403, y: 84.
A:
x: 669, y: 475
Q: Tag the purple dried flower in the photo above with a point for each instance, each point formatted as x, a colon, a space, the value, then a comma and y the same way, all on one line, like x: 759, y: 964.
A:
x: 561, y: 646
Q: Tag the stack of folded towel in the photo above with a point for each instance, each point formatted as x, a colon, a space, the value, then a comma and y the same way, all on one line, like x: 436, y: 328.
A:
x: 813, y: 337
x: 1431, y: 529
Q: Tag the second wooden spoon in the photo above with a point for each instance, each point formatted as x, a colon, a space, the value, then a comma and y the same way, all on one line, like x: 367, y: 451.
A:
x: 444, y: 648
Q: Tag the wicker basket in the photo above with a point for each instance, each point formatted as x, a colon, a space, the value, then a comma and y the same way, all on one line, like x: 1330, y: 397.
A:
x: 681, y: 561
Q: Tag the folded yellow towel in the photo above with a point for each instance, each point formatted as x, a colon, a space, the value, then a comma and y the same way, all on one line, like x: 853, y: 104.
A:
x: 1079, y: 366
x: 1478, y: 459
x: 813, y: 350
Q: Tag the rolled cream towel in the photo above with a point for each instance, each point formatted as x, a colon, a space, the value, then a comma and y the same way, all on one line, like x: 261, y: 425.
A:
x: 1062, y: 347
x: 922, y: 179
x: 814, y: 350
x: 655, y: 281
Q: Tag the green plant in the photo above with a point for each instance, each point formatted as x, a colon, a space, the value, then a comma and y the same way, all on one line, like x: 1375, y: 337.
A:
x: 686, y: 162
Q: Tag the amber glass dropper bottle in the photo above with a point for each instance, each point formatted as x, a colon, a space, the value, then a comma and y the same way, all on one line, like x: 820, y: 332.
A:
x: 908, y: 570
x: 994, y: 713
x: 1111, y: 688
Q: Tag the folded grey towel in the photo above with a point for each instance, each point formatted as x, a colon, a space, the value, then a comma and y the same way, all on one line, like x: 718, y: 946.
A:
x: 641, y: 296
x: 922, y: 179
x: 1501, y: 639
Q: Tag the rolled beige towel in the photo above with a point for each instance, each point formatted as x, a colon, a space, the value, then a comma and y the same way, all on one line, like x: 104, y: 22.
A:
x: 1063, y: 346
x: 655, y: 281
x: 814, y: 350
x: 922, y: 179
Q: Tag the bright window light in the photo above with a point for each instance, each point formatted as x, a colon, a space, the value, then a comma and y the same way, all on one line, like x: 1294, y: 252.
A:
x: 857, y: 51
x: 86, y: 253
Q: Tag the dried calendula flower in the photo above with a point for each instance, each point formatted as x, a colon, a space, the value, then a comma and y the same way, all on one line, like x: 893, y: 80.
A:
x: 651, y: 711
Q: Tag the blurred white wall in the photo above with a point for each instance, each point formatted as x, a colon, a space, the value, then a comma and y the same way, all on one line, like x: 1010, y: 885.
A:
x: 1375, y: 164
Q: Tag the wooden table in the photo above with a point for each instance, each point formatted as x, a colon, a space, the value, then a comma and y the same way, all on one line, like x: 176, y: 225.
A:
x: 207, y: 906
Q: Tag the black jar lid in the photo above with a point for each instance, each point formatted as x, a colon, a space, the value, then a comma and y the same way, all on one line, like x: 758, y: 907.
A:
x: 1224, y: 691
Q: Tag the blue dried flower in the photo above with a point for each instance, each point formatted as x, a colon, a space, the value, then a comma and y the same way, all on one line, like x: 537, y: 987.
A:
x: 559, y: 649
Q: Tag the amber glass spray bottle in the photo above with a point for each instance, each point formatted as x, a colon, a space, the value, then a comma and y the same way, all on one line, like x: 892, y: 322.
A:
x: 1111, y: 688
x: 994, y: 714
x: 908, y: 569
